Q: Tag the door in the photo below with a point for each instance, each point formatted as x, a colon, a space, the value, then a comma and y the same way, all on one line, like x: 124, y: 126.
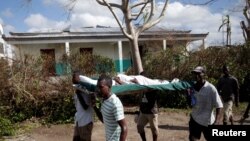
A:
x: 48, y: 56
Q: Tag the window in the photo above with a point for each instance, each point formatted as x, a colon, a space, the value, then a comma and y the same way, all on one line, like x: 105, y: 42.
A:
x: 86, y: 50
x: 170, y: 46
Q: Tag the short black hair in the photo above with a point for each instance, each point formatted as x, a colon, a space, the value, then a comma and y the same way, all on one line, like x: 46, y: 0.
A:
x: 107, y: 79
x: 76, y: 72
x: 225, y: 67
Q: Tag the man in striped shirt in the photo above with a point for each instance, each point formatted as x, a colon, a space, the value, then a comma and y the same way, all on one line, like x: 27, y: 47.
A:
x: 112, y: 113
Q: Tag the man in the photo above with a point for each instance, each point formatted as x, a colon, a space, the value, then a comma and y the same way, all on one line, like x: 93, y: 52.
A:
x: 228, y: 89
x: 84, y: 111
x: 112, y: 112
x: 148, y: 114
x: 206, y: 98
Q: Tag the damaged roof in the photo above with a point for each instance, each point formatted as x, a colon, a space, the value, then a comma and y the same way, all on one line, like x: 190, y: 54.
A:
x: 98, y: 34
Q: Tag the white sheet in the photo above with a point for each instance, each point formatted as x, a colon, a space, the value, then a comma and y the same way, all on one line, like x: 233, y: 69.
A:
x: 91, y: 81
x: 142, y: 80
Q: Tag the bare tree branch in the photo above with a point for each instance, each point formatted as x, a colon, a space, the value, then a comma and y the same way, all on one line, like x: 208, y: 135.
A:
x: 204, y: 3
x: 116, y: 18
x: 150, y: 23
x: 103, y: 2
x: 152, y: 10
x: 139, y: 4
x: 141, y: 11
x: 243, y: 26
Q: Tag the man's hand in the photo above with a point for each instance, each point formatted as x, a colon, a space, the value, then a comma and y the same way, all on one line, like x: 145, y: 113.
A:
x: 93, y: 98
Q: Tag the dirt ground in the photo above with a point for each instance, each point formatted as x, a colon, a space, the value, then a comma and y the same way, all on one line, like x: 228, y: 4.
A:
x: 173, y: 126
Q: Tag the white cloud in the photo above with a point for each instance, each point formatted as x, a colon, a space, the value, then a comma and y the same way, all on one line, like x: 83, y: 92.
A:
x: 6, y: 28
x: 85, y: 13
x: 85, y: 20
x: 48, y: 2
x: 199, y: 19
x: 7, y: 13
x: 90, y: 13
x: 43, y: 23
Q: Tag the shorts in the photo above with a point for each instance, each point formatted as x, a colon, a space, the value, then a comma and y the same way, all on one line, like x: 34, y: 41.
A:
x: 228, y: 110
x: 83, y: 133
x: 144, y: 119
x: 195, y: 130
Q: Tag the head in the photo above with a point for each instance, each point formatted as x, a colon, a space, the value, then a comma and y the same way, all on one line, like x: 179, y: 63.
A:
x: 76, y: 77
x: 225, y: 69
x: 199, y: 73
x: 142, y: 73
x: 104, y: 85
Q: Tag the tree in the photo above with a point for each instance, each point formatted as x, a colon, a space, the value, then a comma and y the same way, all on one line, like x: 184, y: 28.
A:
x: 246, y: 27
x: 147, y: 9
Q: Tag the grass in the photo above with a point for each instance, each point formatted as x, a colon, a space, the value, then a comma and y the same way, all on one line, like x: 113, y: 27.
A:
x: 241, y: 109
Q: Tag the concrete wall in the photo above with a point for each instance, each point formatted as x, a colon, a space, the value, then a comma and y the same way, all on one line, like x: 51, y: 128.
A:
x: 107, y: 49
x: 34, y: 50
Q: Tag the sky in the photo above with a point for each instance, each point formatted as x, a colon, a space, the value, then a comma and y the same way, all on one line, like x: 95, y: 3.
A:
x: 49, y: 15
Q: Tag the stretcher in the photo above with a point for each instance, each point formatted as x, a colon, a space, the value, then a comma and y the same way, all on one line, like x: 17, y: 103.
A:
x: 136, y: 88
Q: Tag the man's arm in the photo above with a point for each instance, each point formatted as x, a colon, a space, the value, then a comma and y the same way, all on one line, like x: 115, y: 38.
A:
x: 217, y: 116
x: 119, y: 81
x: 98, y: 113
x: 124, y: 129
x: 134, y: 81
x: 218, y: 85
x: 81, y: 100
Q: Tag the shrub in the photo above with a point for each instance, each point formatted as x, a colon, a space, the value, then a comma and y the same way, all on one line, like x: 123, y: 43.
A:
x: 177, y: 63
x: 6, y: 127
x: 28, y: 91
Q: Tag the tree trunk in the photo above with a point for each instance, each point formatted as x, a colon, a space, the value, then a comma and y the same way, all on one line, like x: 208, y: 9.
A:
x: 246, y: 28
x: 136, y: 58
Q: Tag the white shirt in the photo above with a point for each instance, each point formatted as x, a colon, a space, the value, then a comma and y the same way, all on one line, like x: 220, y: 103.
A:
x: 206, y: 100
x: 82, y: 116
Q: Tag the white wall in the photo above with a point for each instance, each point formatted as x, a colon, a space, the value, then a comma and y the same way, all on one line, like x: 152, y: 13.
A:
x: 34, y: 50
x: 107, y: 49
